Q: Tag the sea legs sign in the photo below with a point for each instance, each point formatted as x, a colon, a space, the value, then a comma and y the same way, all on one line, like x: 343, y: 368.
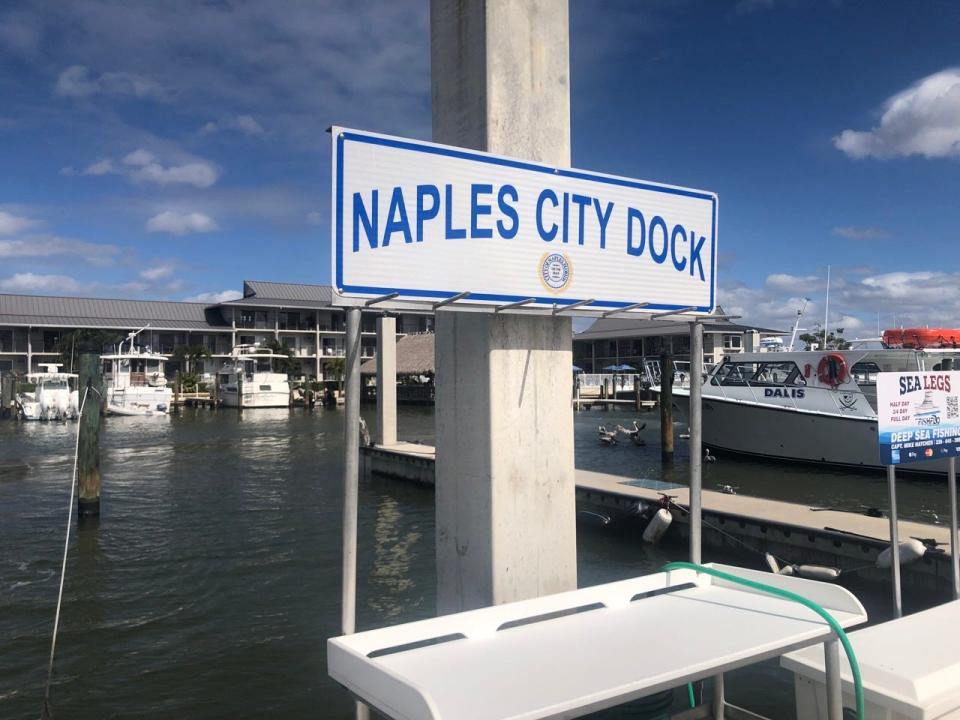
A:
x: 428, y: 222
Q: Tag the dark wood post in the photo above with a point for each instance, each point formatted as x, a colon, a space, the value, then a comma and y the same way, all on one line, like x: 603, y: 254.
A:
x: 6, y: 394
x: 666, y: 407
x: 240, y: 388
x: 88, y: 462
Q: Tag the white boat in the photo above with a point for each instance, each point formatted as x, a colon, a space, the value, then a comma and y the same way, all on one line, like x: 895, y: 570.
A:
x: 52, y: 398
x: 135, y: 381
x: 804, y: 406
x: 250, y: 380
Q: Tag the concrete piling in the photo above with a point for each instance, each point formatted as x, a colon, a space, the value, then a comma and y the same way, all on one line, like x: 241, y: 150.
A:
x: 666, y: 407
x: 88, y: 460
x: 506, y: 514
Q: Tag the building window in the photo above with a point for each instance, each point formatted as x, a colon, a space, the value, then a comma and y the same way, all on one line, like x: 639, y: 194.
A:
x: 732, y: 342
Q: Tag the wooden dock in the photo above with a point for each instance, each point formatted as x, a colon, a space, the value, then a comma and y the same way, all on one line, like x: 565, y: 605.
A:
x: 193, y: 399
x: 794, y: 532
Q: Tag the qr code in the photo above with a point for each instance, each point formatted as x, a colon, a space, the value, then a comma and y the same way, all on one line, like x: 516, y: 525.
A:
x: 953, y: 407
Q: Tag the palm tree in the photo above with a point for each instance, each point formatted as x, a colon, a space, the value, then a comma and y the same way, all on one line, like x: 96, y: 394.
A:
x: 189, y: 355
x: 71, y: 343
x: 337, y: 368
x: 285, y: 364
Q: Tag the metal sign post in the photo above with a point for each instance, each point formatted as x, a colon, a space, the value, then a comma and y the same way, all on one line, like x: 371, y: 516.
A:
x: 351, y: 481
x: 918, y: 419
x: 955, y: 559
x: 696, y: 438
x: 894, y: 541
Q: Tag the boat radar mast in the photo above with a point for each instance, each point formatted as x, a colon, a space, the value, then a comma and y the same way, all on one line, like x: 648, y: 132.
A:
x: 132, y: 335
x: 796, y: 324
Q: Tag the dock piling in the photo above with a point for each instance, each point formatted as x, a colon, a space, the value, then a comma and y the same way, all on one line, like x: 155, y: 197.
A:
x: 88, y: 460
x: 666, y: 407
x: 7, y: 394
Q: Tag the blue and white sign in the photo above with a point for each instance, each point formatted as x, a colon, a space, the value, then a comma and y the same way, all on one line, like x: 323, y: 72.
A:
x: 429, y: 222
x: 918, y: 416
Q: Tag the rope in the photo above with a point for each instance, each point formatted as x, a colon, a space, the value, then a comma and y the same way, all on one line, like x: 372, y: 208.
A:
x: 733, y: 537
x: 45, y: 711
x: 782, y: 561
x: 787, y: 595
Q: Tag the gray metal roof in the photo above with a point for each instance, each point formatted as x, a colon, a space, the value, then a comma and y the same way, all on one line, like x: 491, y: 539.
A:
x: 46, y: 311
x: 262, y: 290
x: 613, y: 328
x: 257, y: 301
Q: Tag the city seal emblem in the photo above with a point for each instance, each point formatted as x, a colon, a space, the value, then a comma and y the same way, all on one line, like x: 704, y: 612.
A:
x: 555, y: 271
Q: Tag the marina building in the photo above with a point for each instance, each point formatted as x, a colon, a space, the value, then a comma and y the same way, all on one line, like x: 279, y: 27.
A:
x: 617, y: 342
x: 34, y: 328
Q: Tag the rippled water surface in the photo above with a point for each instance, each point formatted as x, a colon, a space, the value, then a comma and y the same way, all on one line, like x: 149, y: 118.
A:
x: 211, y: 582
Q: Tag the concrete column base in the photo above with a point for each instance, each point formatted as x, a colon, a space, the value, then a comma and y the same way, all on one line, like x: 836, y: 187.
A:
x: 506, y: 515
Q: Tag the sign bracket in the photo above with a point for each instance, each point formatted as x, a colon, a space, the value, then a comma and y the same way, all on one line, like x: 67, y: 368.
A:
x: 573, y: 306
x: 635, y: 306
x: 669, y: 313
x: 452, y: 299
x: 382, y: 298
x: 510, y: 306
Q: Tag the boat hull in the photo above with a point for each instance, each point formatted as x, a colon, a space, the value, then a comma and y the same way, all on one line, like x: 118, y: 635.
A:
x: 785, y: 434
x: 261, y: 399
x: 139, y: 401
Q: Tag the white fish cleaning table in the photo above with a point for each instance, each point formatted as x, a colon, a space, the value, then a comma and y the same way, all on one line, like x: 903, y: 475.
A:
x: 574, y: 653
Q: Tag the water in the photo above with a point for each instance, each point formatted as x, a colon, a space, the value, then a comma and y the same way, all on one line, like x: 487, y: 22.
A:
x: 212, y: 580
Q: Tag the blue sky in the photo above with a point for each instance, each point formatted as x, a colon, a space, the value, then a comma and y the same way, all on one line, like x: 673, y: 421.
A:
x: 172, y: 150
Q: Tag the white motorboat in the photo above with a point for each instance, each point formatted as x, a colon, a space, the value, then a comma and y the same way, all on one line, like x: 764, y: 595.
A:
x: 54, y: 396
x: 818, y: 406
x: 250, y: 379
x: 135, y: 381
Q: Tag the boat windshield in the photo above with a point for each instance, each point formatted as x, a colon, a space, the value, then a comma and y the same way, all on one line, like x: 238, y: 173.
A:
x: 58, y: 384
x: 739, y: 373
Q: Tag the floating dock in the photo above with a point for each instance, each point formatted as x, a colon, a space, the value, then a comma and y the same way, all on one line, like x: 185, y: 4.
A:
x: 797, y: 533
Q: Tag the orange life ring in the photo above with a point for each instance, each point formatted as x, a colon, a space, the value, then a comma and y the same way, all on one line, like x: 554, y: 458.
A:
x: 832, y: 370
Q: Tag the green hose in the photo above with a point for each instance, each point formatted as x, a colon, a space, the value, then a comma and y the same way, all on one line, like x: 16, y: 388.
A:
x: 786, y: 594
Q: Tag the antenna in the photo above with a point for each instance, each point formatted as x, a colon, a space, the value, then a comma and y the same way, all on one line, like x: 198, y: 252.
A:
x: 826, y: 311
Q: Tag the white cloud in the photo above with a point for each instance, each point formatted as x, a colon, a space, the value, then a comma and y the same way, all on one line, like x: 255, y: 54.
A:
x: 315, y: 218
x: 922, y: 120
x: 101, y: 167
x: 214, y: 297
x: 143, y: 166
x: 913, y: 298
x: 860, y: 233
x: 32, y: 282
x: 783, y: 282
x: 198, y: 174
x: 181, y: 223
x: 158, y: 272
x: 139, y: 158
x: 49, y: 246
x: 245, y: 124
x: 11, y: 224
x: 77, y: 82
